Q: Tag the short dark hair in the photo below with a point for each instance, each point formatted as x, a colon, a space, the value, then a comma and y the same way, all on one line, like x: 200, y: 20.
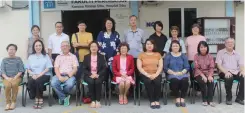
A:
x: 122, y: 45
x: 59, y: 22
x: 43, y: 48
x: 93, y: 42
x: 205, y: 44
x: 159, y: 23
x: 133, y: 16
x: 81, y: 22
x: 14, y: 45
x: 174, y: 28
x: 196, y: 25
x: 175, y: 42
x: 35, y: 26
x: 113, y: 25
x: 154, y: 45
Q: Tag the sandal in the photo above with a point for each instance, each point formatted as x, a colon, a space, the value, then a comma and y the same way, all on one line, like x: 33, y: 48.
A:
x: 7, y: 107
x: 12, y: 106
x: 204, y: 103
x: 40, y: 103
x: 125, y: 101
x: 92, y: 105
x: 98, y: 105
x: 121, y: 99
x: 212, y: 104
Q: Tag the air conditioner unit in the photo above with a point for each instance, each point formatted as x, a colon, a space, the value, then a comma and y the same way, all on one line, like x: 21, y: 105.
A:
x: 2, y: 3
x: 151, y: 2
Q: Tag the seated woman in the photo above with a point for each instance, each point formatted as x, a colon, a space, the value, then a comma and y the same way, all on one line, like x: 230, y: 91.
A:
x: 204, y: 69
x: 176, y: 66
x: 12, y: 69
x: 150, y: 66
x: 38, y: 67
x: 123, y: 70
x: 94, y: 68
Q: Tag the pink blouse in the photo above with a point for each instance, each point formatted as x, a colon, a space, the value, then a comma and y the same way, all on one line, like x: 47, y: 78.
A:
x: 123, y: 65
x: 93, y: 64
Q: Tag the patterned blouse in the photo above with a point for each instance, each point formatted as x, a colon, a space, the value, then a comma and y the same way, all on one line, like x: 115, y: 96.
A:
x: 108, y: 44
x: 204, y: 65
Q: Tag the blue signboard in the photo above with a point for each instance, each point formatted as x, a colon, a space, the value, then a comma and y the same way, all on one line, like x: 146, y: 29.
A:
x: 47, y: 4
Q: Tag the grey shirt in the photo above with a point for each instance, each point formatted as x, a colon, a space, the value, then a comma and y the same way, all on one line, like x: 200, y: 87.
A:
x: 135, y: 41
x: 12, y: 66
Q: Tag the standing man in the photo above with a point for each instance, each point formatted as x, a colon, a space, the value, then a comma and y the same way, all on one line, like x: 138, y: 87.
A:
x: 65, y: 67
x: 135, y: 37
x: 80, y: 42
x: 54, y: 41
x: 231, y: 67
x: 54, y: 44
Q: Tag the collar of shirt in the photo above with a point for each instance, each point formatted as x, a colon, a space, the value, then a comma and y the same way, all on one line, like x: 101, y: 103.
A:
x: 233, y: 52
x: 60, y: 34
x: 155, y: 34
x: 137, y: 29
x: 66, y: 55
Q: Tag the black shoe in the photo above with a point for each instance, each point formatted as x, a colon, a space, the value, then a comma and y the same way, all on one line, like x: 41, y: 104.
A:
x: 228, y: 102
x: 177, y: 104
x: 157, y: 106
x: 239, y: 101
x: 153, y: 106
x: 182, y: 104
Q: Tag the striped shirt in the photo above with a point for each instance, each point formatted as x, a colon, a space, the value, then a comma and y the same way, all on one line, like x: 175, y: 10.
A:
x: 12, y: 66
x: 231, y: 62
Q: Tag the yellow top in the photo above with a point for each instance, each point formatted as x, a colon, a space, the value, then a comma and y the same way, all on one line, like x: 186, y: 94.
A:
x: 83, y: 38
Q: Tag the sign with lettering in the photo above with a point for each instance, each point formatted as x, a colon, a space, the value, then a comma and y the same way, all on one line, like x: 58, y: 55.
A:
x: 149, y: 24
x: 216, y: 30
x: 51, y: 5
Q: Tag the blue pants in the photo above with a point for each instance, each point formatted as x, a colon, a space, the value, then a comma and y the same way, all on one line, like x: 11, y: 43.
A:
x: 68, y: 85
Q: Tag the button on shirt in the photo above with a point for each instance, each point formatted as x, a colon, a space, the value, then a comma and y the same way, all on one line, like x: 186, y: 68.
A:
x: 54, y: 42
x: 231, y: 62
x: 135, y: 41
x: 65, y: 63
x: 38, y: 63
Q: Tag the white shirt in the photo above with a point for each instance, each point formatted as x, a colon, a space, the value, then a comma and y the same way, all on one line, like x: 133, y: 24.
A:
x: 54, y: 42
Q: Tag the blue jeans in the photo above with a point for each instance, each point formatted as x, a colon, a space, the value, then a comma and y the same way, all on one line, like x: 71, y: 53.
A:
x: 68, y: 85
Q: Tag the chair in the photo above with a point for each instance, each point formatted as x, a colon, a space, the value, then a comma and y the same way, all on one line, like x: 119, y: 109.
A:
x: 111, y: 82
x: 141, y: 83
x: 21, y: 84
x: 83, y: 83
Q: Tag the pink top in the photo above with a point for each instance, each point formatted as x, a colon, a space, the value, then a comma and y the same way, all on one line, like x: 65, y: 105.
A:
x: 93, y: 64
x: 231, y: 62
x: 204, y: 65
x: 123, y: 65
x: 65, y: 63
x: 191, y: 43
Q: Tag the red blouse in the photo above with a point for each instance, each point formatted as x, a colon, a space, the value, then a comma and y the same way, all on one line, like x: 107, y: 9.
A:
x: 204, y: 65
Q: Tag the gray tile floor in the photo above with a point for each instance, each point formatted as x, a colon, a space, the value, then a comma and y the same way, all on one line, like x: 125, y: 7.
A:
x: 129, y: 108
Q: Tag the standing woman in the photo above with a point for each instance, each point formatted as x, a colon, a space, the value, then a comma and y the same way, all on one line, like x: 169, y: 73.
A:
x: 176, y: 66
x: 35, y: 31
x: 204, y: 69
x: 108, y: 40
x: 123, y: 70
x: 150, y: 65
x: 39, y: 64
x: 12, y: 69
x: 94, y: 69
x: 174, y: 33
x: 191, y: 47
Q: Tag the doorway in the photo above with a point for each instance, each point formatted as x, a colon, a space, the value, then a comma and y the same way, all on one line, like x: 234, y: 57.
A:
x: 93, y: 18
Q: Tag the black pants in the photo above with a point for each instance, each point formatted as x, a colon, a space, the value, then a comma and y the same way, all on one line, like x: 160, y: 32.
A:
x: 206, y: 89
x: 179, y: 87
x: 228, y: 86
x: 54, y: 57
x: 153, y: 87
x: 36, y: 87
x: 95, y: 86
x: 192, y: 78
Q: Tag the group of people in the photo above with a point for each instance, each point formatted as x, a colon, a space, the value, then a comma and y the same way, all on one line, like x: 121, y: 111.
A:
x: 122, y: 57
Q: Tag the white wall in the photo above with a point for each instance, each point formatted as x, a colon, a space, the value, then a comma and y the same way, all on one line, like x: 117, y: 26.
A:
x: 48, y: 20
x: 239, y: 14
x: 160, y: 12
x: 14, y: 28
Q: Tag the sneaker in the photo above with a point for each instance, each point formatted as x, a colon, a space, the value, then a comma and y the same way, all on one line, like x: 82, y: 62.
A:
x: 61, y: 102
x: 67, y: 101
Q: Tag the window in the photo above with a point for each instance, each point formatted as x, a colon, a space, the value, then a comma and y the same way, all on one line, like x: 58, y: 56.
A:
x: 175, y: 19
x: 184, y: 18
x: 16, y: 4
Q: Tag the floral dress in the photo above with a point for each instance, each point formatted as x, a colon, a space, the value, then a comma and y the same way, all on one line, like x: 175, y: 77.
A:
x: 108, y: 44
